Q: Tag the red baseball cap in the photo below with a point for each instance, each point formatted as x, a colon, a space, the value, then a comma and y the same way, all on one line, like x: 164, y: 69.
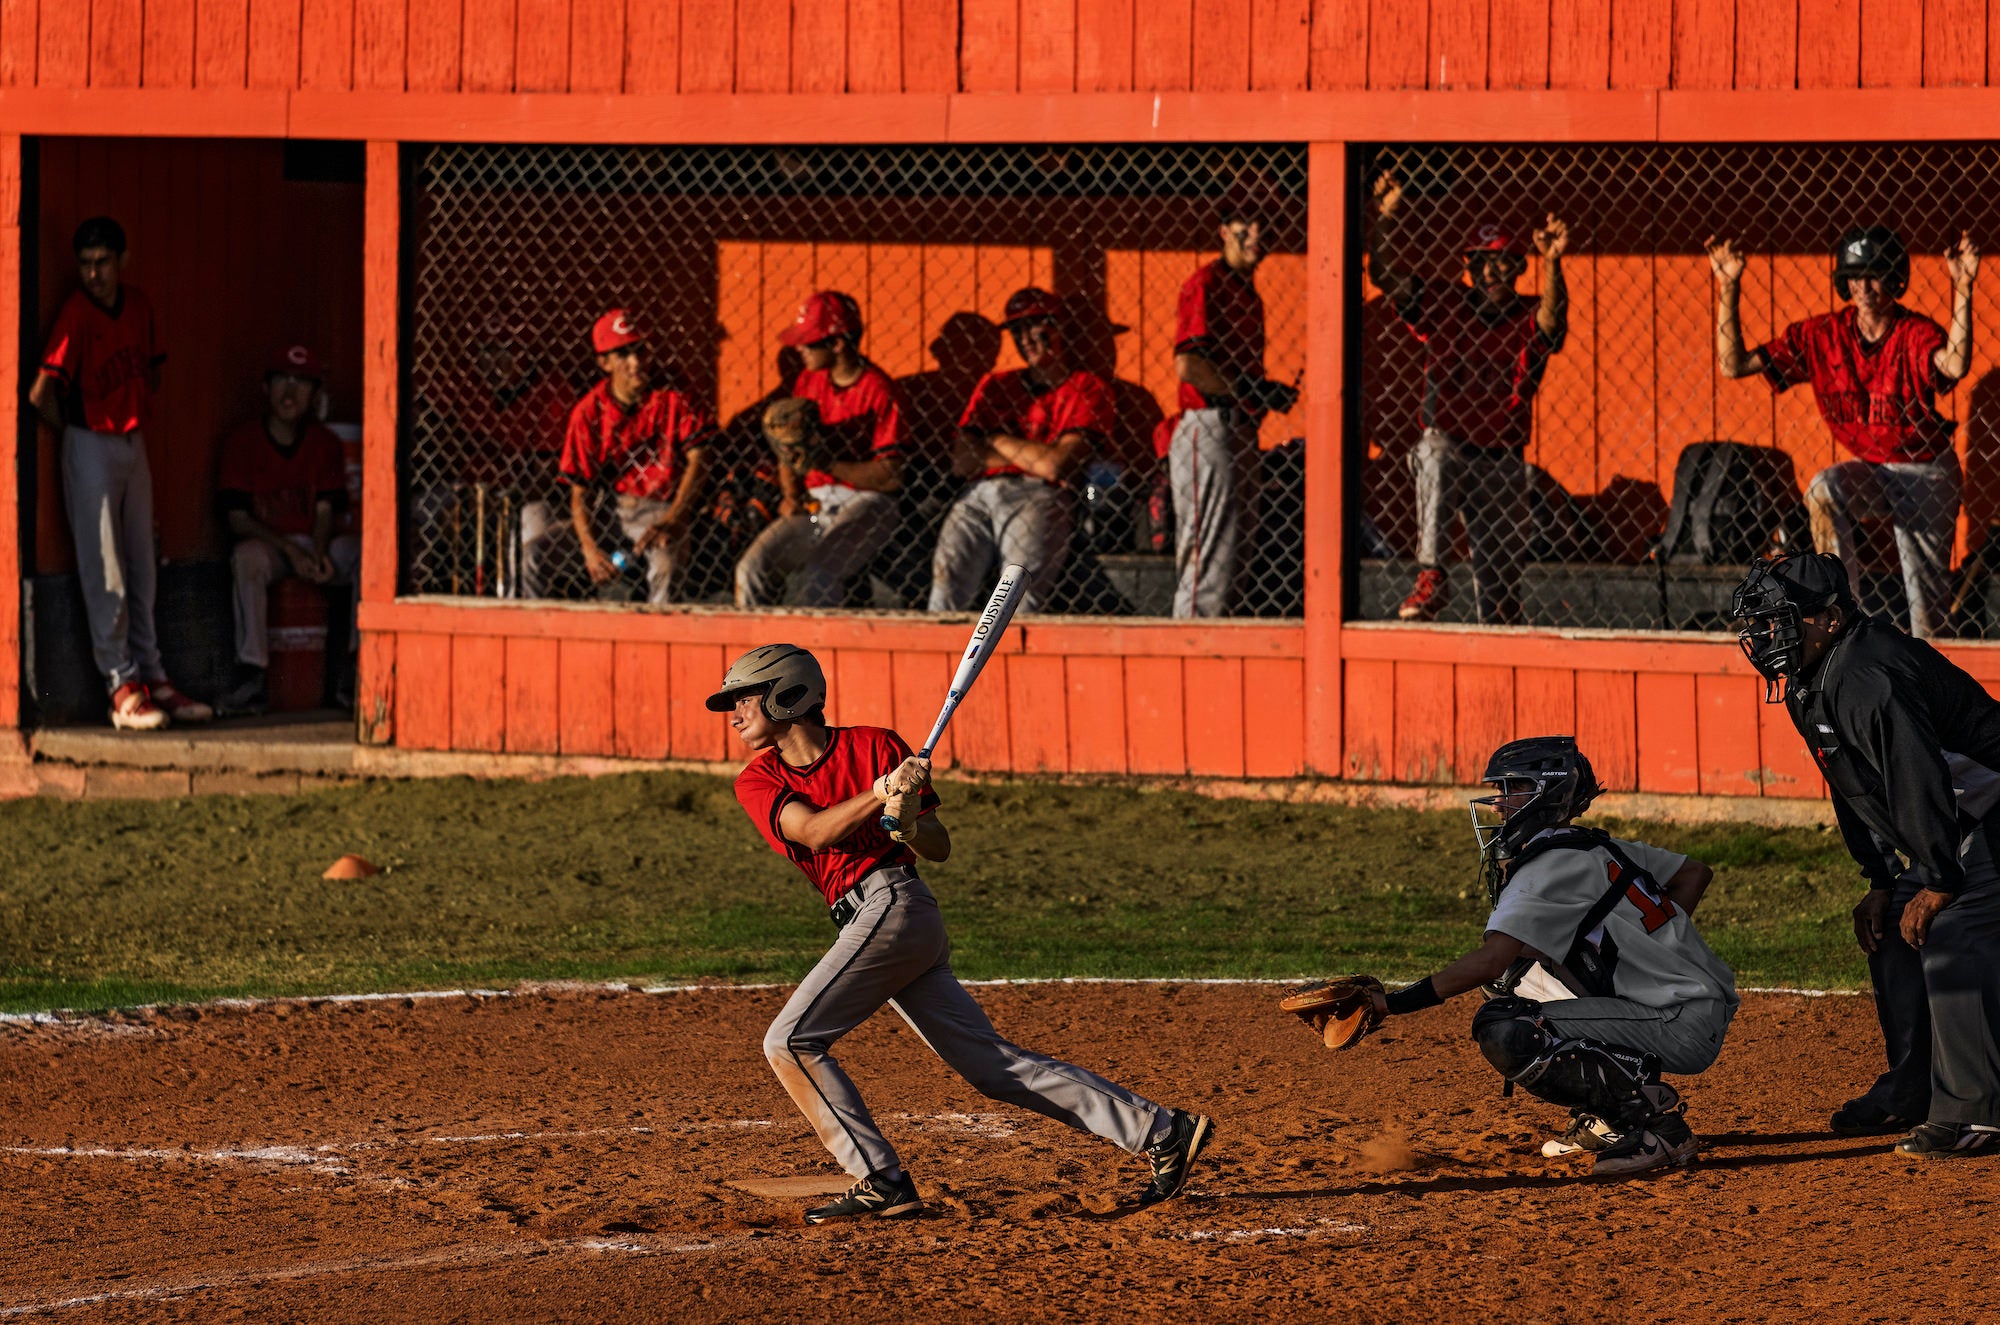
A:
x: 297, y: 360
x: 1026, y: 305
x: 826, y: 313
x: 615, y: 330
x: 1492, y: 237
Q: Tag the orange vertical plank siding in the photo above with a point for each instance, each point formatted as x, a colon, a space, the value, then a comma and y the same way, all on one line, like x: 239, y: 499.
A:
x: 692, y: 673
x: 1767, y: 47
x: 375, y: 689
x: 63, y: 59
x: 533, y: 724
x: 1829, y: 46
x: 1580, y: 45
x: 1038, y: 731
x: 1221, y: 54
x: 1517, y: 53
x: 1424, y: 734
x: 1704, y: 54
x: 1642, y: 55
x: 326, y: 45
x: 1162, y: 45
x: 864, y: 686
x: 1398, y: 44
x: 919, y: 682
x: 541, y: 46
x: 1048, y: 45
x: 930, y: 46
x: 423, y: 691
x: 819, y: 48
x: 1095, y: 712
x: 117, y: 37
x: 597, y: 46
x: 584, y: 697
x: 763, y: 45
x: 380, y: 46
x: 1457, y: 44
x: 1323, y: 701
x: 1280, y: 45
x: 20, y: 41
x: 1667, y: 732
x: 1483, y: 720
x: 1954, y: 43
x: 874, y: 46
x: 1214, y: 716
x: 487, y: 61
x: 1788, y: 766
x: 639, y: 700
x: 1545, y: 702
x: 478, y: 692
x: 653, y: 48
x: 380, y: 274
x: 1369, y: 725
x: 274, y: 43
x: 1104, y: 36
x: 989, y: 45
x: 980, y: 727
x: 1726, y: 734
x: 1892, y: 43
x: 1155, y: 716
x: 1338, y: 55
x: 436, y: 45
x: 1607, y: 727
x: 1273, y: 744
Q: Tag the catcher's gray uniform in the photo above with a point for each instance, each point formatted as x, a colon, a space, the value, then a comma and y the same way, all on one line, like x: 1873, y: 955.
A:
x: 1019, y: 519
x: 1674, y: 997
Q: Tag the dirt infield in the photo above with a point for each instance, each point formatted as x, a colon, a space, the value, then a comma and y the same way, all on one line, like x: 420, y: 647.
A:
x: 596, y: 1156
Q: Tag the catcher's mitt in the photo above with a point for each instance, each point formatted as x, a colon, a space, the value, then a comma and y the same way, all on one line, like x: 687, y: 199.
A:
x: 792, y: 428
x: 1341, y: 1011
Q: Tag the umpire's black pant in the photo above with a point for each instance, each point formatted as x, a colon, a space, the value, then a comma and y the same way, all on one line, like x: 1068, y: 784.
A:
x: 1939, y: 1005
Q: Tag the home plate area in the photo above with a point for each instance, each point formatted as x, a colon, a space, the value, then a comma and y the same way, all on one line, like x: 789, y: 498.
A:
x: 611, y: 1155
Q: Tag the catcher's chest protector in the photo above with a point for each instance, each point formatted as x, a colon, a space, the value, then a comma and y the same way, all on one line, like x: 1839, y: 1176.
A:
x: 1591, y: 962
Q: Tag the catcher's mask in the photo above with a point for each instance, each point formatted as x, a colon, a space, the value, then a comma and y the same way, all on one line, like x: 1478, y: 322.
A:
x: 788, y: 678
x: 1769, y: 608
x: 1541, y: 782
x: 1877, y: 251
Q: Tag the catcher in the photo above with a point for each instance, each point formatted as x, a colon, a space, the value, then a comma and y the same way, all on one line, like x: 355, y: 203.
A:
x: 1601, y: 931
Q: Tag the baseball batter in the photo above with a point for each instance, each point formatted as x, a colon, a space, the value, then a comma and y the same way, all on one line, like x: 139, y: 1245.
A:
x: 816, y: 794
x: 1609, y: 923
x: 1876, y: 369
x: 1021, y: 438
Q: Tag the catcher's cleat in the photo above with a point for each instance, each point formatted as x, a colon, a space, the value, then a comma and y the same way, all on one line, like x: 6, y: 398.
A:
x: 1427, y: 599
x: 1173, y: 1157
x: 1948, y: 1141
x: 876, y: 1195
x: 1864, y: 1117
x: 1664, y: 1141
x: 1587, y: 1134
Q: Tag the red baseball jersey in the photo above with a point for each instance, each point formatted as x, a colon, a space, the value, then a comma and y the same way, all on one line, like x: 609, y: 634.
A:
x: 101, y: 359
x: 854, y: 758
x: 531, y: 419
x: 279, y: 486
x: 1483, y: 364
x: 1880, y: 400
x: 1014, y: 403
x: 637, y: 450
x: 865, y: 421
x: 1221, y: 318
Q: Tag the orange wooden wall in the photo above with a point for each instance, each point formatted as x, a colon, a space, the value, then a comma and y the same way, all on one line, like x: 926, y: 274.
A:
x: 237, y: 261
x: 873, y: 46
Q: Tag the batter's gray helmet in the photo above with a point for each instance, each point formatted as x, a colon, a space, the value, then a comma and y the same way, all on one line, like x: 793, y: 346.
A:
x: 789, y: 678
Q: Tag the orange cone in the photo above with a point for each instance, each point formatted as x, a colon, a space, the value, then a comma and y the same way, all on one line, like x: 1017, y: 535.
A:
x: 350, y: 867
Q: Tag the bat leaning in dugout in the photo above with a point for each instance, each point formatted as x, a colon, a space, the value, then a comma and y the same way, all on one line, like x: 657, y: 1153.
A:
x: 1596, y: 979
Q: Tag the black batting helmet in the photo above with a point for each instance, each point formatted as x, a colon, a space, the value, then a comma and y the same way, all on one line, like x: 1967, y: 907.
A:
x: 1874, y: 250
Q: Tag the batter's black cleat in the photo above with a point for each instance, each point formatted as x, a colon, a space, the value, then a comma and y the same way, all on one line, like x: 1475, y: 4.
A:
x: 1948, y: 1141
x: 1173, y: 1157
x: 1864, y: 1117
x: 876, y: 1195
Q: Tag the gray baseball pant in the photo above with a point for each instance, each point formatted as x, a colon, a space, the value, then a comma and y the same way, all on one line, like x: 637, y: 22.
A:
x: 1685, y: 1037
x: 1012, y: 518
x: 1920, y: 501
x: 253, y: 565
x: 664, y: 560
x: 108, y: 493
x: 895, y: 951
x: 806, y: 560
x: 1488, y: 487
x: 1212, y: 467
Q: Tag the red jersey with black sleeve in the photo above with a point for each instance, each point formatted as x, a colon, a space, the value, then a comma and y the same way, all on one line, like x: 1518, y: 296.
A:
x: 1017, y: 404
x: 1879, y: 401
x: 102, y: 359
x: 1483, y: 363
x: 499, y: 427
x: 279, y: 486
x: 867, y: 420
x: 637, y: 450
x: 854, y: 758
x: 1220, y: 317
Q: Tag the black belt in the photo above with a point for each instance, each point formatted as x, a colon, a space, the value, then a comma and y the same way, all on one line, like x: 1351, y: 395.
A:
x: 848, y: 905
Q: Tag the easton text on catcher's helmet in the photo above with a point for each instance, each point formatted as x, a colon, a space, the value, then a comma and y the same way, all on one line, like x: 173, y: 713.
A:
x: 1874, y: 250
x: 1542, y: 781
x: 789, y: 677
x: 1770, y: 603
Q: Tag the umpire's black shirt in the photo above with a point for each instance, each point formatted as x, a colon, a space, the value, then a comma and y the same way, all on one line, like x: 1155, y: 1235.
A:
x: 1878, y: 711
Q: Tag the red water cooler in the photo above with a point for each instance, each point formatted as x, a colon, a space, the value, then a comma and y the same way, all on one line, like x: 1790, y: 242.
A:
x: 297, y: 636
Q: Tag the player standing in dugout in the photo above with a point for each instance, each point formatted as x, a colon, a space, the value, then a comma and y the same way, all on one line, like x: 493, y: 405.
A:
x: 817, y: 794
x: 1876, y: 369
x: 1908, y: 744
x: 1486, y: 347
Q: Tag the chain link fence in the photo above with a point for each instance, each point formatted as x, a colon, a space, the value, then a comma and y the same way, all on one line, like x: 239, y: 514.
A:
x: 517, y: 250
x: 1589, y: 463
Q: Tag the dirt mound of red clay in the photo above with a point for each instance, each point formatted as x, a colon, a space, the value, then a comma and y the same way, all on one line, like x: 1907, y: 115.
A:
x: 593, y: 1156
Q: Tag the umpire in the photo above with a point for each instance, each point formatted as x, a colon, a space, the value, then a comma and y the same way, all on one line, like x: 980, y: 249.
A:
x: 1907, y: 742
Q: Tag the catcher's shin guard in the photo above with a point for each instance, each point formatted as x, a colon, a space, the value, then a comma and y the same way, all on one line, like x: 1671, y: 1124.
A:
x: 1576, y: 1073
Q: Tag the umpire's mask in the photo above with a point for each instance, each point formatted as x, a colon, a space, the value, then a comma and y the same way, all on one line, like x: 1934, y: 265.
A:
x: 1769, y: 607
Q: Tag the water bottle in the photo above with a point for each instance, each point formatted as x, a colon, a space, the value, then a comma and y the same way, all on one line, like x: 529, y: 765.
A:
x: 628, y: 565
x: 1107, y: 508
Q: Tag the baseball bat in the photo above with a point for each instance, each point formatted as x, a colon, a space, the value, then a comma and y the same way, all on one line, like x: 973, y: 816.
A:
x: 985, y: 639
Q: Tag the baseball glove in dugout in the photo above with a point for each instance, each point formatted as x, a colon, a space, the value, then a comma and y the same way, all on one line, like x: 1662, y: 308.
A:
x: 792, y: 427
x: 1341, y: 1011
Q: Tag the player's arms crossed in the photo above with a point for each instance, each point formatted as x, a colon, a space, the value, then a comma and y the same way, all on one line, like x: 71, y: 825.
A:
x: 1053, y: 464
x: 816, y: 830
x: 1200, y: 373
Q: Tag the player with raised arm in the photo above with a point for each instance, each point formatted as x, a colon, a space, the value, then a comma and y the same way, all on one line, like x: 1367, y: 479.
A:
x: 816, y: 794
x: 1604, y: 928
